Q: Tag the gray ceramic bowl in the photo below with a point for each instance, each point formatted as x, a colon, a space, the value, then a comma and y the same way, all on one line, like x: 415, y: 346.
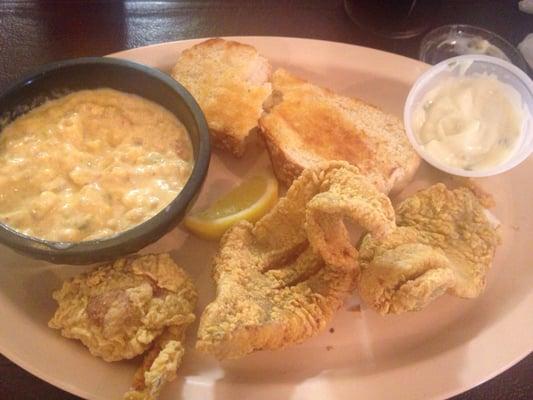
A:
x: 56, y: 79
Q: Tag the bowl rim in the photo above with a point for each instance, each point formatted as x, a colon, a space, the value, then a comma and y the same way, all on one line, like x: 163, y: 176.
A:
x: 473, y: 29
x: 426, y: 77
x: 101, y: 249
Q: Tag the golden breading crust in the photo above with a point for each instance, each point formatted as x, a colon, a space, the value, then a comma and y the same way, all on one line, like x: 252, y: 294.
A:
x: 323, y: 197
x: 119, y: 309
x: 229, y: 80
x: 280, y: 281
x: 159, y: 365
x: 444, y: 243
x: 307, y: 124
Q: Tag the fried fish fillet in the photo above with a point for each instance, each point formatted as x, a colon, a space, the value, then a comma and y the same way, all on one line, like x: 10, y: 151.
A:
x: 306, y: 124
x: 445, y: 242
x: 280, y: 281
x: 122, y: 309
x: 229, y: 80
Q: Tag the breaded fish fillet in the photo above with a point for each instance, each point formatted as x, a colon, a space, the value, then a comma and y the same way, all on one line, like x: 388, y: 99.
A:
x: 306, y: 124
x: 280, y: 281
x: 445, y: 242
x: 121, y: 309
x: 229, y: 80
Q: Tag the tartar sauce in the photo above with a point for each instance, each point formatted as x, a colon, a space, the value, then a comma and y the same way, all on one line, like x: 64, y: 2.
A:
x: 471, y: 122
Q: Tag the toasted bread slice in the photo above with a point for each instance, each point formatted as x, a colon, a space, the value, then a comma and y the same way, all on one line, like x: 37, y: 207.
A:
x: 229, y: 80
x: 306, y: 124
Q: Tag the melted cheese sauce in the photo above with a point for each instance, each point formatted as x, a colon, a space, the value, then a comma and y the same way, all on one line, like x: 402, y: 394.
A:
x: 470, y: 122
x: 90, y: 164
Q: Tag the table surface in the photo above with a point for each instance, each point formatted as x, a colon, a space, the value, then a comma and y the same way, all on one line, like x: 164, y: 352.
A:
x: 37, y: 32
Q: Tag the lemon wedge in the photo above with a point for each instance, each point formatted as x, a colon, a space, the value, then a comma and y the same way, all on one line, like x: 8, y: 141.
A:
x: 249, y: 201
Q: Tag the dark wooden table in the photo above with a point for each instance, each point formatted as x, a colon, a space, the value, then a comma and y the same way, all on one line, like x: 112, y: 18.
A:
x: 36, y: 32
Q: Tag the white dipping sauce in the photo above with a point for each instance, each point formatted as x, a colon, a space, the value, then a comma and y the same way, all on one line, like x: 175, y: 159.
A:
x: 471, y: 122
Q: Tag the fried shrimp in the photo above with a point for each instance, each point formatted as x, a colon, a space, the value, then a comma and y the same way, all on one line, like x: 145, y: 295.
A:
x: 159, y: 365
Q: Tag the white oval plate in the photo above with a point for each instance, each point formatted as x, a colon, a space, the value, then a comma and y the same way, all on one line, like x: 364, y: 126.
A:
x: 450, y: 347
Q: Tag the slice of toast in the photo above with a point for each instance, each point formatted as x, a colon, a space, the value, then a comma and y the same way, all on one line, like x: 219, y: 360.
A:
x: 229, y: 80
x: 306, y: 124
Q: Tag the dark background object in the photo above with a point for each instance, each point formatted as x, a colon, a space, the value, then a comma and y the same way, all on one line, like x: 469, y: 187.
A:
x: 37, y: 32
x: 56, y: 79
x: 396, y: 19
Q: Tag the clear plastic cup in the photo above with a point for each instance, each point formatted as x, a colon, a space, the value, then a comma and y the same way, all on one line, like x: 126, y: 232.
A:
x: 456, y: 40
x: 504, y: 72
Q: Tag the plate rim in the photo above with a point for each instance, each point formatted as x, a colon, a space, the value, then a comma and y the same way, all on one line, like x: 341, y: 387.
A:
x: 461, y: 387
x: 121, y: 53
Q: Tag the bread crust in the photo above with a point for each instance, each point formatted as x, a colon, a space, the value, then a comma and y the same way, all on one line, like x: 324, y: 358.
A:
x: 285, y: 169
x: 230, y: 82
x: 308, y: 124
